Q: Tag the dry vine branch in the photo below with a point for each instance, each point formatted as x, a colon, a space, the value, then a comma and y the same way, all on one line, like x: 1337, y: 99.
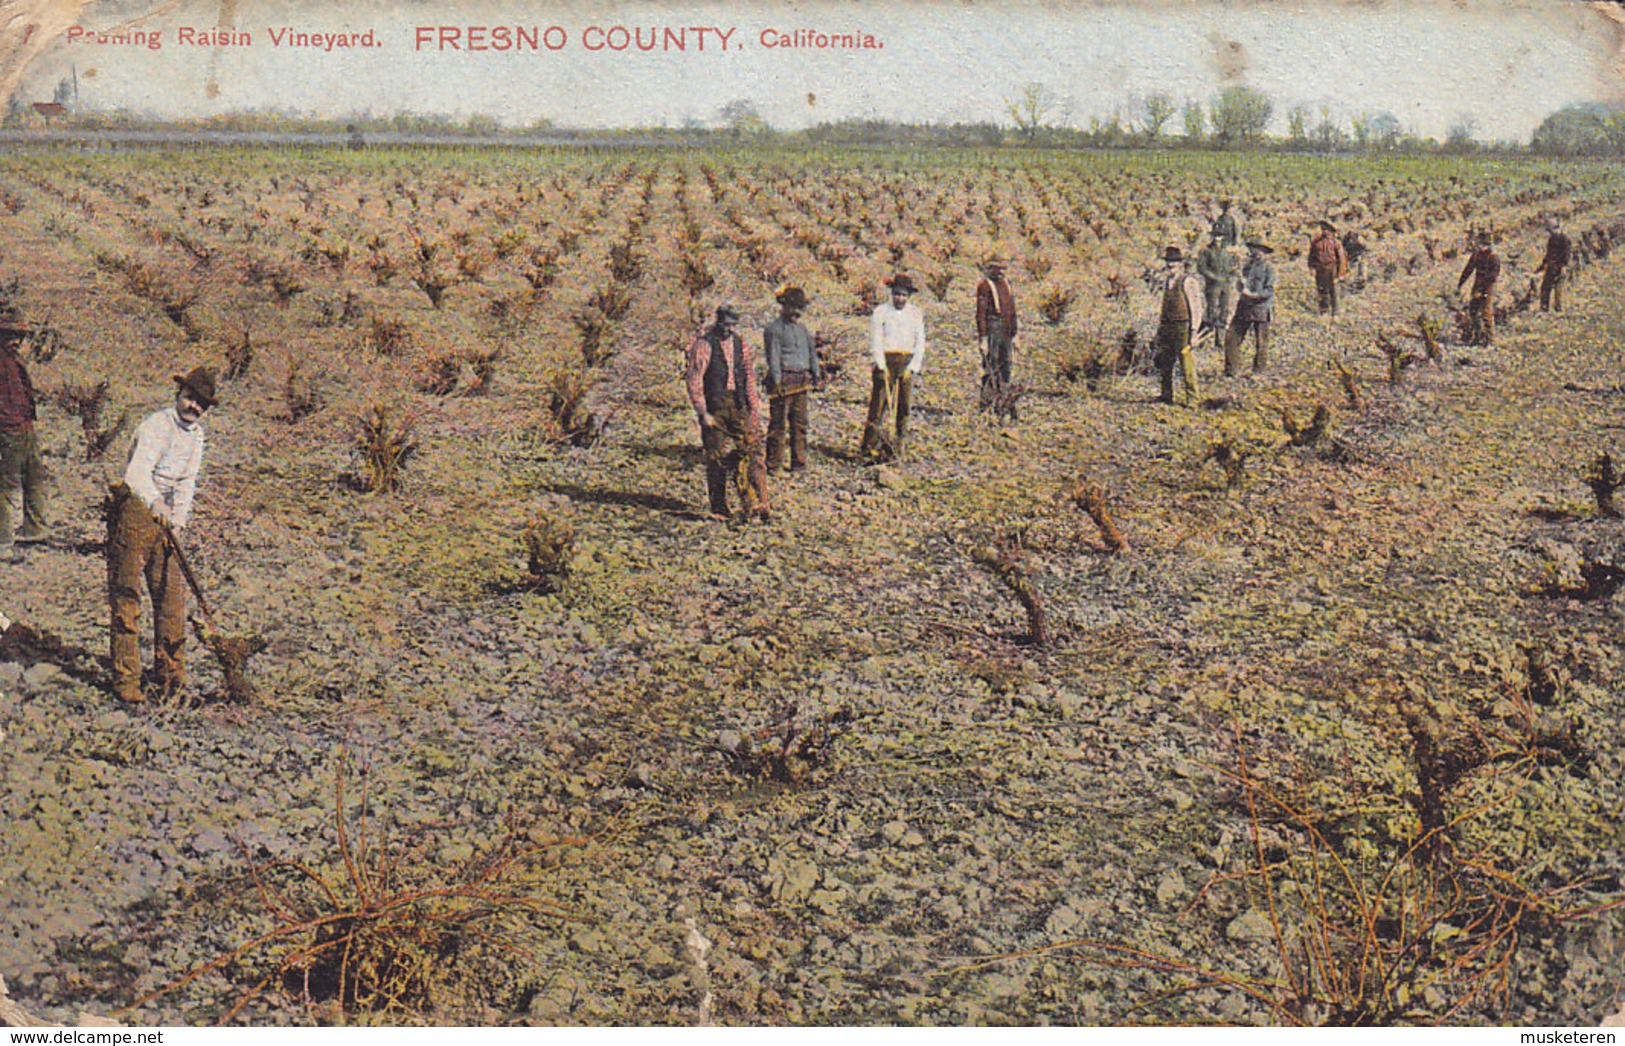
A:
x: 1091, y: 498
x: 1006, y: 565
x: 1351, y: 386
x: 1604, y: 480
x: 1305, y: 435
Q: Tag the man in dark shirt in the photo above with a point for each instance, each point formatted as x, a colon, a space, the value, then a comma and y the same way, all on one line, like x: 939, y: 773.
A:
x: 1558, y: 251
x: 1485, y: 268
x: 792, y: 370
x: 1220, y: 272
x: 19, y: 448
x: 1225, y: 229
x: 995, y: 329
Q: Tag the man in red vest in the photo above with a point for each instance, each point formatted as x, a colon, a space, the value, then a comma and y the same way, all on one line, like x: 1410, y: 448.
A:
x: 721, y: 378
x: 995, y: 329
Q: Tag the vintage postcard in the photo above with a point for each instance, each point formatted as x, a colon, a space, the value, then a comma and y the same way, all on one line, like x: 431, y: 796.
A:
x: 809, y: 513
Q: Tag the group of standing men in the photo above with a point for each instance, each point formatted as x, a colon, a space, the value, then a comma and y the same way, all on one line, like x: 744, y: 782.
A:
x: 1195, y: 304
x: 720, y: 376
x: 1198, y: 304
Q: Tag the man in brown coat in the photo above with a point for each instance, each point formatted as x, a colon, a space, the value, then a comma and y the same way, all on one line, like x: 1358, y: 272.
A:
x: 19, y: 448
x: 1329, y: 263
x: 1485, y: 268
x: 155, y: 498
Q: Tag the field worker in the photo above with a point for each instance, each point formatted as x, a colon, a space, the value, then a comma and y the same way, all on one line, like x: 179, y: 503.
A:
x: 1225, y: 229
x: 1219, y: 271
x: 1558, y: 252
x: 19, y: 447
x: 1485, y: 268
x: 995, y: 329
x: 792, y: 371
x: 1355, y: 249
x: 156, y: 495
x: 1329, y: 263
x: 1181, y: 316
x: 897, y: 348
x: 1255, y: 309
x: 721, y: 379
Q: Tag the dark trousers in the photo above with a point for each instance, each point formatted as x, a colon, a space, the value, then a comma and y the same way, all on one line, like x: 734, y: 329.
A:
x: 1238, y: 334
x: 1173, y: 349
x: 1326, y: 290
x: 20, y: 466
x: 1551, y: 290
x: 889, y: 395
x: 1480, y: 321
x: 733, y: 452
x: 996, y: 364
x: 1217, y: 294
x: 788, y: 411
x: 137, y: 550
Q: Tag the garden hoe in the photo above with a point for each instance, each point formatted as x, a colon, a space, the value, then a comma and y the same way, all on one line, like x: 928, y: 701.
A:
x: 232, y: 652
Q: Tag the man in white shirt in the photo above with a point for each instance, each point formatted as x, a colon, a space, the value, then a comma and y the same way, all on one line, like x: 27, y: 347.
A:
x: 897, y: 347
x: 159, y: 483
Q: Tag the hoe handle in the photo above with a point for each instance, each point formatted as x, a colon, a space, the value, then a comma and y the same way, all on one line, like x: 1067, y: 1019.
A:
x: 191, y: 579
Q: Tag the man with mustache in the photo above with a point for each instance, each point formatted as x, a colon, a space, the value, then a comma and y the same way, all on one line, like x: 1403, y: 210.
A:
x: 155, y: 498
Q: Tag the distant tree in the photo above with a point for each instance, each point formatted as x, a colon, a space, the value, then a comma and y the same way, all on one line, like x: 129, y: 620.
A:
x: 1107, y: 132
x: 64, y: 92
x: 1459, y: 139
x: 1297, y: 124
x: 1031, y: 110
x: 1385, y: 130
x: 1155, y: 112
x: 743, y: 119
x: 1329, y: 134
x: 1585, y: 129
x: 1240, y: 114
x: 1195, y: 121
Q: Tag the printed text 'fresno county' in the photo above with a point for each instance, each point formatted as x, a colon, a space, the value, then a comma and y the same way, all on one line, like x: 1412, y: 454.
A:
x: 628, y: 38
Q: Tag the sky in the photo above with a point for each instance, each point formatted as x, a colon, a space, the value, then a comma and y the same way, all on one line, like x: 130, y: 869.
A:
x: 1498, y: 65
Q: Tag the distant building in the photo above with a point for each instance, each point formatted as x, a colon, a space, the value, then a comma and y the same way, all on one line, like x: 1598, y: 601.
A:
x: 50, y: 110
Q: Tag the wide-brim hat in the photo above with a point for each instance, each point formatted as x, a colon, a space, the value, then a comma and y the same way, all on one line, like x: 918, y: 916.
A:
x: 1261, y: 246
x: 1328, y: 226
x: 995, y: 262
x: 727, y: 312
x: 1172, y: 254
x: 902, y: 281
x: 793, y: 297
x: 199, y: 381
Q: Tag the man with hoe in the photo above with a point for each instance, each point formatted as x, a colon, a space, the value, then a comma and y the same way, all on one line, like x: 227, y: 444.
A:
x: 721, y: 378
x: 154, y: 500
x: 897, y: 349
x: 792, y: 371
x: 1485, y: 268
x: 995, y: 329
x: 1329, y: 263
x: 1255, y: 309
x: 1181, y: 316
x: 1558, y: 251
x: 19, y: 447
